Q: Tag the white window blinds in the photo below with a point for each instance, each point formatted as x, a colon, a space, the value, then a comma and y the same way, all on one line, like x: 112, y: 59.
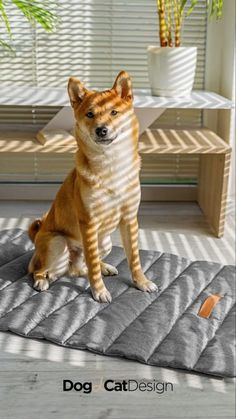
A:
x: 94, y: 41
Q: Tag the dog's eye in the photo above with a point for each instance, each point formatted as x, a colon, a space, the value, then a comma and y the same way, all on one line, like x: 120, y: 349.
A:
x: 90, y: 114
x: 113, y: 112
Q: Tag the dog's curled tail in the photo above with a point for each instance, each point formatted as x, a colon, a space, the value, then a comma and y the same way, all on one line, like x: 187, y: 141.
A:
x: 34, y: 229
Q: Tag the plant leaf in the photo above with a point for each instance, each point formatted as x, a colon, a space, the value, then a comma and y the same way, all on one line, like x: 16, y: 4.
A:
x: 216, y: 8
x: 7, y: 47
x: 213, y: 6
x: 219, y: 8
x: 193, y: 4
x: 37, y: 11
x: 183, y: 4
x: 4, y: 17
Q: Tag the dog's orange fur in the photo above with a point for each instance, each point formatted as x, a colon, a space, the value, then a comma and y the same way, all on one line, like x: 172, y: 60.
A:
x: 100, y: 194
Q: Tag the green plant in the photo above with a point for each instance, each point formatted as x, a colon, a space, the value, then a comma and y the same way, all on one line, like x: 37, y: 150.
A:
x: 35, y: 11
x: 172, y: 12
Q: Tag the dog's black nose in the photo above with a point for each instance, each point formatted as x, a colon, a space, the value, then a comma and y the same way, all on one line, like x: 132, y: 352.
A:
x: 101, y: 131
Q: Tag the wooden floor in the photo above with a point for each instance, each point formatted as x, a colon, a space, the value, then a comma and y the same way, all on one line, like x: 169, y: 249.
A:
x: 31, y: 371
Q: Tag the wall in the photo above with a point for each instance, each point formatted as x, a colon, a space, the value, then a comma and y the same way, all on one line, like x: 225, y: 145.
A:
x: 220, y: 77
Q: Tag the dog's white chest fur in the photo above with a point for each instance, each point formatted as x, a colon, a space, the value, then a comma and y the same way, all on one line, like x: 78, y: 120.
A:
x: 117, y: 172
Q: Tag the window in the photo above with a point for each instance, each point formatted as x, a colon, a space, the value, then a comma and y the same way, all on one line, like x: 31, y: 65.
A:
x: 95, y: 40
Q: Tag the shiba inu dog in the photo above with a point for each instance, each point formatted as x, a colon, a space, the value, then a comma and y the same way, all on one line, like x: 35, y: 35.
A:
x: 100, y: 194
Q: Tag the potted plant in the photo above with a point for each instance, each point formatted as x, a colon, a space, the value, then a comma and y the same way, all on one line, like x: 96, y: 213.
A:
x: 171, y: 67
x: 35, y: 11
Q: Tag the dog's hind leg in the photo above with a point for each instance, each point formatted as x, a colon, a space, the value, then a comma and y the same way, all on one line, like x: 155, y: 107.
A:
x: 50, y: 261
x: 105, y: 246
x: 77, y: 266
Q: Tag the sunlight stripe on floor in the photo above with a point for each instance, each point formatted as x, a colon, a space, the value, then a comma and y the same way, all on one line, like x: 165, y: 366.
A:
x: 145, y: 371
x: 230, y: 229
x: 13, y: 344
x: 201, y: 251
x: 156, y: 242
x: 218, y: 385
x: 77, y: 358
x: 55, y: 353
x: 219, y: 256
x: 7, y: 223
x: 143, y: 239
x: 169, y: 375
x: 194, y: 381
x: 34, y: 349
x: 187, y: 247
x: 171, y: 241
x: 229, y: 248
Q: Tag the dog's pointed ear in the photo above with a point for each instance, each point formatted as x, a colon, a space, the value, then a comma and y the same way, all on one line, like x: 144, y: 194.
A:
x: 76, y: 91
x: 123, y: 86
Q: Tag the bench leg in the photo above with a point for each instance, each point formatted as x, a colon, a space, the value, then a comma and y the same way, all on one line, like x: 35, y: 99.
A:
x: 212, y: 189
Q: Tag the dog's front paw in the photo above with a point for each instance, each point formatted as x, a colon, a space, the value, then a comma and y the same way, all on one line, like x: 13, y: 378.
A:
x: 101, y: 296
x: 144, y: 284
x: 41, y: 284
x: 108, y: 269
x: 147, y: 285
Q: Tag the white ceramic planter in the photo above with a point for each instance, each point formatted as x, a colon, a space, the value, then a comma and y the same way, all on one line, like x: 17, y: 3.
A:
x: 171, y: 70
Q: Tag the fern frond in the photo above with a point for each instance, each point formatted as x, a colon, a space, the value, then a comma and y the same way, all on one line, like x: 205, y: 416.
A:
x: 4, y: 17
x: 37, y: 11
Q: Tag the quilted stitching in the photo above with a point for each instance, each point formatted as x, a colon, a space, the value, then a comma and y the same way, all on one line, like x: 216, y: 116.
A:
x: 136, y: 325
x: 65, y: 304
x: 181, y: 316
x: 107, y: 306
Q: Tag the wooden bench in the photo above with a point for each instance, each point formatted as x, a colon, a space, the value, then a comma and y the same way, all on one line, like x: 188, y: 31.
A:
x: 213, y: 168
x: 213, y: 151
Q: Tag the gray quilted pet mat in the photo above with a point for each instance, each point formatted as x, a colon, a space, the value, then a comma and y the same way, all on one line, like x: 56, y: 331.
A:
x: 162, y: 328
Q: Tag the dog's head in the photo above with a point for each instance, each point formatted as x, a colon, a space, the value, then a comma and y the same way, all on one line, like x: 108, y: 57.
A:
x: 103, y: 118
